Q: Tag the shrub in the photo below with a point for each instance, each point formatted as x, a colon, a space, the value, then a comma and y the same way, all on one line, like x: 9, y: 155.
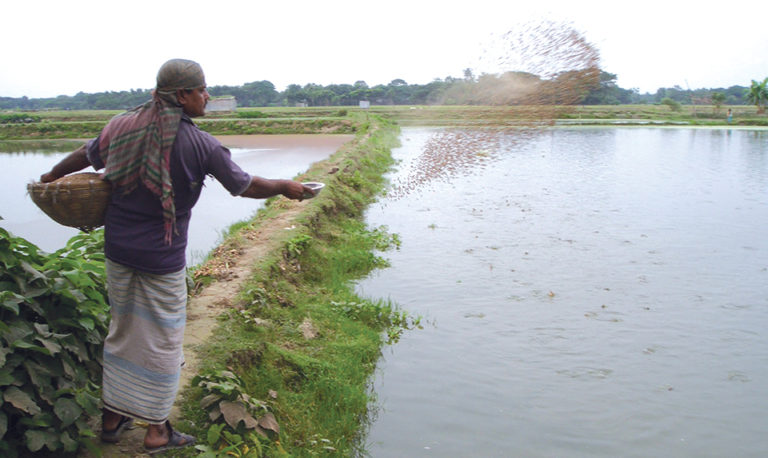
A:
x: 672, y: 104
x: 53, y: 320
x: 16, y: 118
x: 251, y: 114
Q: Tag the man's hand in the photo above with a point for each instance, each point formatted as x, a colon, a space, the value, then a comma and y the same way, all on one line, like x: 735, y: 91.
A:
x: 74, y: 162
x: 48, y: 177
x: 261, y: 188
x: 298, y: 191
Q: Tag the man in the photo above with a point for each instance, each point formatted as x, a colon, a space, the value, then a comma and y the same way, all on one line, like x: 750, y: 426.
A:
x: 156, y: 160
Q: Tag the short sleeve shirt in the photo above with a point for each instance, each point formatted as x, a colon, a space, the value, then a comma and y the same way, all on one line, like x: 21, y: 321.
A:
x: 134, y: 228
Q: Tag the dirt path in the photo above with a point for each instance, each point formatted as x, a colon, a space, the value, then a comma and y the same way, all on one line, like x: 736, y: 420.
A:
x: 203, y: 309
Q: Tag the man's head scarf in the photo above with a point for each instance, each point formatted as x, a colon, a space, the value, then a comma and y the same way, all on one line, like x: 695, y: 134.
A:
x: 136, y: 145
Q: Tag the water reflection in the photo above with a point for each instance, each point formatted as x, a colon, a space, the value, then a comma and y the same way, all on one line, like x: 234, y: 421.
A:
x: 594, y: 292
x: 38, y: 146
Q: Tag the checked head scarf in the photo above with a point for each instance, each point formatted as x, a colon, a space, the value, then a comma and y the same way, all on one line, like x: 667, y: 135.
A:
x: 136, y: 145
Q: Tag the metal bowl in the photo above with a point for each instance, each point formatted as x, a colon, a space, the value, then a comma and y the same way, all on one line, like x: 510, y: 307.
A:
x: 315, y: 186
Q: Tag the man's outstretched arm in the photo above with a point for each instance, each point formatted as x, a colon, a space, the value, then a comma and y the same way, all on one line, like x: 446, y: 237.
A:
x: 261, y: 188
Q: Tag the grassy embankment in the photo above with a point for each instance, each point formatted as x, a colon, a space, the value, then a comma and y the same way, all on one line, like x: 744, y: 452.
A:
x: 298, y: 338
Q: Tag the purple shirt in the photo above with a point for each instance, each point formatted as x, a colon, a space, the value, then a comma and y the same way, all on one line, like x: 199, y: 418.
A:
x: 134, y: 231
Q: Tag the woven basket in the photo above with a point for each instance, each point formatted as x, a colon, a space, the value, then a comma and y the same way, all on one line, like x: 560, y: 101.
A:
x: 78, y: 200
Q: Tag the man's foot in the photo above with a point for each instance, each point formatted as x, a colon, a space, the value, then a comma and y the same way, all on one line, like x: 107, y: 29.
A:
x: 111, y: 430
x: 167, y: 437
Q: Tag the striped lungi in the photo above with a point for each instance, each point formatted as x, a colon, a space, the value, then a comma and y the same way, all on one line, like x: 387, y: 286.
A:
x: 143, y: 351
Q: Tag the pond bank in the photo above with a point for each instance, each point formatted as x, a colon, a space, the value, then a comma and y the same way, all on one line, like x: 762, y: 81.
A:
x: 273, y: 315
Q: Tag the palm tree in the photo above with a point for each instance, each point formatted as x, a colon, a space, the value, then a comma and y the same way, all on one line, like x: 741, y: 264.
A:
x: 758, y: 94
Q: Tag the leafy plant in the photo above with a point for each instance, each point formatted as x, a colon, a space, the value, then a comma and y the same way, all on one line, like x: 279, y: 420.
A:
x: 379, y: 314
x: 297, y: 245
x: 673, y: 105
x: 227, y: 400
x: 383, y: 240
x: 718, y: 99
x: 355, y: 180
x: 18, y: 118
x: 251, y: 114
x: 53, y: 320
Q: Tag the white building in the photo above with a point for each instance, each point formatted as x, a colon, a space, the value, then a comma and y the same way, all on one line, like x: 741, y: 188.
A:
x: 220, y: 104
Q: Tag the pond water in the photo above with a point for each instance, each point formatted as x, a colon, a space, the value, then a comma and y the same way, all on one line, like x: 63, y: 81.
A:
x: 270, y: 156
x: 593, y: 292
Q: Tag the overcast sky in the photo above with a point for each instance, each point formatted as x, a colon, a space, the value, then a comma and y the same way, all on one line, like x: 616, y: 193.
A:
x: 55, y: 47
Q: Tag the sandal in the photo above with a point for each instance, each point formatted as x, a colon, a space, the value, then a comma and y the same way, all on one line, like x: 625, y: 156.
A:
x: 175, y: 440
x: 114, y: 435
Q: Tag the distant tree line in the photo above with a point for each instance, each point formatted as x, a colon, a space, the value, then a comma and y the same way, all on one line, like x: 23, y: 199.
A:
x: 448, y: 91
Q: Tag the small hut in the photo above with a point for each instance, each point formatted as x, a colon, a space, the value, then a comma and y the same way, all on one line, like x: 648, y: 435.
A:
x: 221, y: 104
